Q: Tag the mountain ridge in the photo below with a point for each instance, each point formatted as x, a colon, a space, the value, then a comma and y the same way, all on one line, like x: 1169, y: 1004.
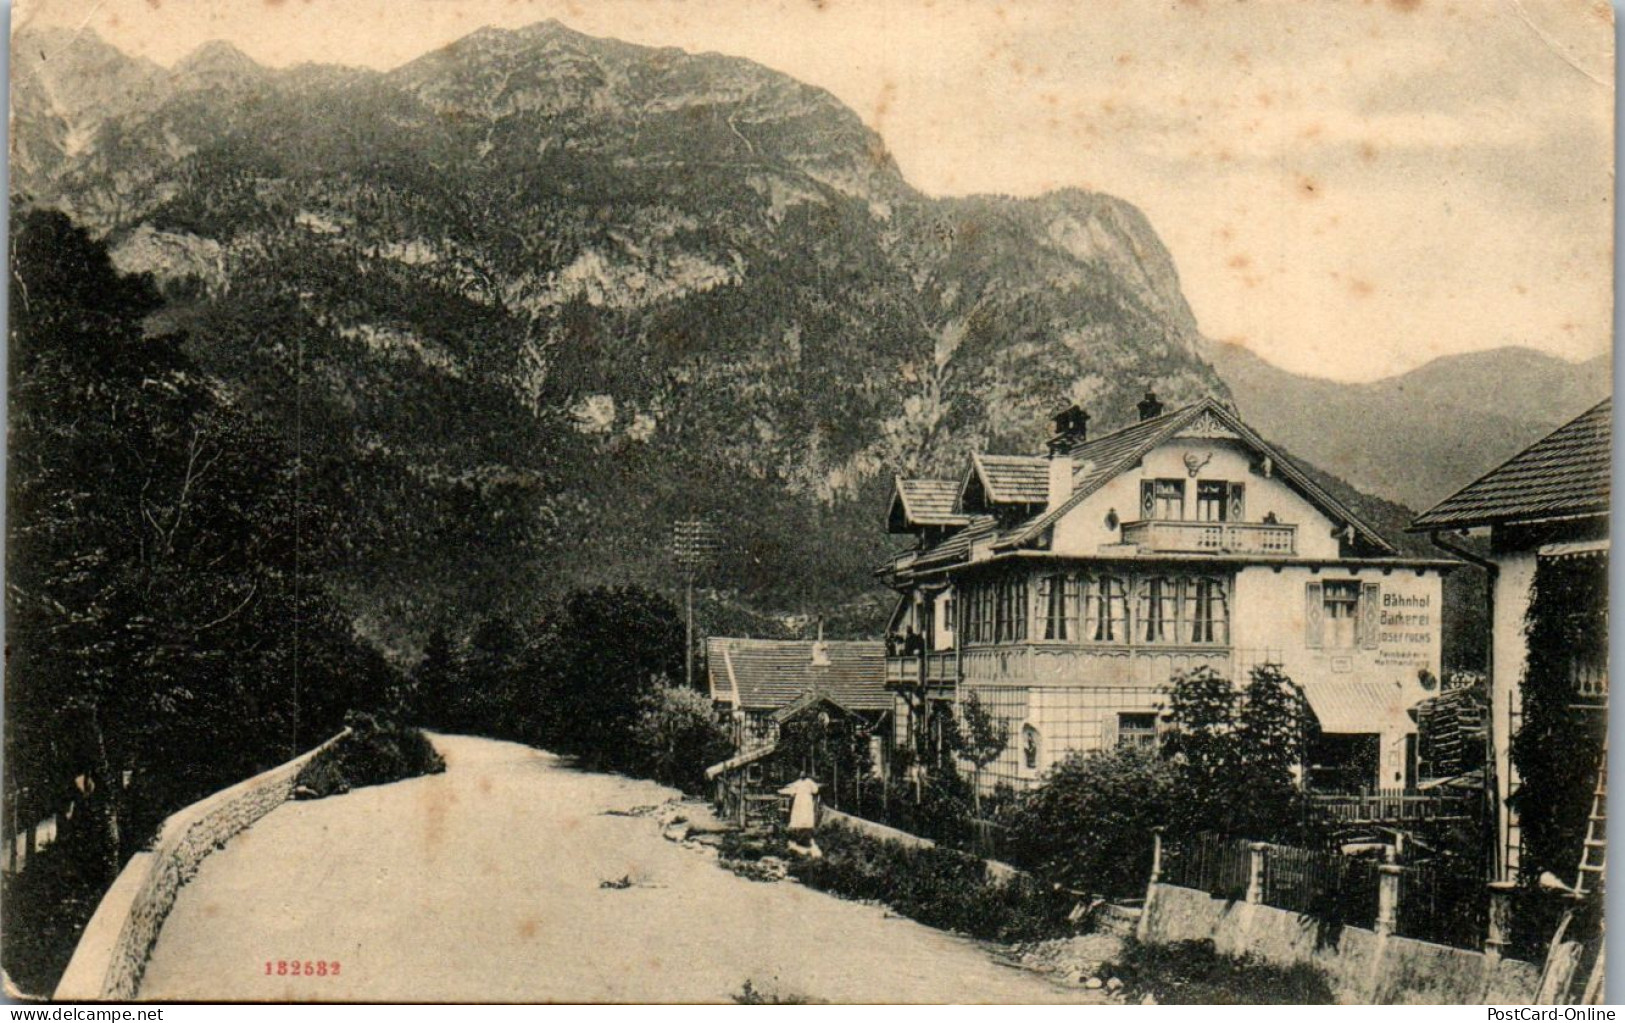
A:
x: 588, y: 287
x: 1418, y: 436
x: 535, y: 295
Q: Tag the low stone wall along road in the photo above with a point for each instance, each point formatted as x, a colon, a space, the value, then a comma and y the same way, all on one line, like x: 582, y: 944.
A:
x: 482, y: 883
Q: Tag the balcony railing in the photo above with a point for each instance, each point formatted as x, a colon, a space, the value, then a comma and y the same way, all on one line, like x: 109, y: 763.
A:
x: 1055, y: 664
x: 939, y: 667
x: 1154, y: 536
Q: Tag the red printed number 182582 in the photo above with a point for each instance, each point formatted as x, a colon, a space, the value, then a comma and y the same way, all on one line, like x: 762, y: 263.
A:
x: 301, y: 968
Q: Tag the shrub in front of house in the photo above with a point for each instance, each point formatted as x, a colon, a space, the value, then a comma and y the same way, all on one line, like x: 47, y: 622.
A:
x: 676, y: 737
x: 1089, y: 825
x: 938, y: 887
x: 373, y: 753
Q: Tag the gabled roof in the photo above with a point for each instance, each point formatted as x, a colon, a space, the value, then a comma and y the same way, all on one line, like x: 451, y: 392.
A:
x: 1566, y: 473
x: 768, y: 674
x: 1103, y: 459
x: 804, y: 702
x: 1012, y: 479
x: 925, y: 503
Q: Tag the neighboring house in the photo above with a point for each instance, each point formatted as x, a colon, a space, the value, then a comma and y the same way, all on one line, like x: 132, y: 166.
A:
x: 757, y: 684
x: 1545, y: 511
x: 1067, y: 590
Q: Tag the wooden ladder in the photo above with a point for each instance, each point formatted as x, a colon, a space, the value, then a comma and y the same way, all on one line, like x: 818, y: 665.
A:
x: 1594, y: 854
x: 1586, y: 982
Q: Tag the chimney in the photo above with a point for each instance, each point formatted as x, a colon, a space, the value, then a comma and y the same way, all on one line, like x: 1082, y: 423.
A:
x: 1150, y: 407
x: 820, y: 649
x: 1071, y: 430
x: 1061, y: 468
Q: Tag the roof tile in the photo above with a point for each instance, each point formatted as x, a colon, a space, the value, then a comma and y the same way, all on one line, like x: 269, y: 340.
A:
x: 769, y: 674
x: 1565, y: 473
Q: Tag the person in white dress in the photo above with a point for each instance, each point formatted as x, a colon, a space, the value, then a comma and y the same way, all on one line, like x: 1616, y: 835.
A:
x: 803, y: 795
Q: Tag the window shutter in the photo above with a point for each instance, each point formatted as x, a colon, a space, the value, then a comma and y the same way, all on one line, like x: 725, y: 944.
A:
x: 1108, y: 730
x: 1148, y: 499
x: 1238, y: 506
x: 1314, y: 613
x: 1370, y: 601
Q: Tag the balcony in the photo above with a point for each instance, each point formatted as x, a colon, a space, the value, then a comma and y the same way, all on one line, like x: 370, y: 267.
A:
x: 939, y: 669
x: 1268, y: 539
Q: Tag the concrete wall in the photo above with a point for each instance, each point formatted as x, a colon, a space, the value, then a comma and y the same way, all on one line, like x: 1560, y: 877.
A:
x: 1363, y: 967
x: 113, y: 952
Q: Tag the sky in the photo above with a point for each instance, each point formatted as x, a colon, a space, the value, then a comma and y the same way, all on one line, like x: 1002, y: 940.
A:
x: 1349, y: 188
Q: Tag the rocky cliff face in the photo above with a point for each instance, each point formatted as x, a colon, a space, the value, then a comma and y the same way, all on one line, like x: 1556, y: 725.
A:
x: 536, y: 294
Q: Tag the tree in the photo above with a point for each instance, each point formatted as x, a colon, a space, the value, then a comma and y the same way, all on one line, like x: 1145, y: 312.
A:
x: 1273, y: 736
x: 605, y: 650
x: 1089, y: 824
x: 1201, y: 716
x: 168, y: 635
x: 677, y: 736
x: 432, y: 684
x: 1240, y: 753
x: 489, y: 680
x: 983, y: 740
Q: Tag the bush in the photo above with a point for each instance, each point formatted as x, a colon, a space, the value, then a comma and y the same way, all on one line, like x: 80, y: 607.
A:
x: 373, y: 753
x: 676, y: 737
x: 1088, y: 826
x: 938, y: 887
x: 1194, y: 973
x: 942, y: 814
x: 47, y: 906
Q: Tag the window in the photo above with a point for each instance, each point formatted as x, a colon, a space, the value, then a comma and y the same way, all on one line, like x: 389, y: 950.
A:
x: 1342, y: 614
x: 1159, y: 610
x: 1058, y: 602
x: 1137, y: 730
x: 1215, y: 500
x: 1106, y: 611
x: 1342, y: 602
x: 1589, y: 673
x: 1030, y: 749
x: 1162, y: 499
x: 1010, y: 611
x: 1207, y: 611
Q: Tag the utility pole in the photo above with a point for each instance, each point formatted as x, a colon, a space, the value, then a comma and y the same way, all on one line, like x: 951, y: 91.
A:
x: 693, y: 544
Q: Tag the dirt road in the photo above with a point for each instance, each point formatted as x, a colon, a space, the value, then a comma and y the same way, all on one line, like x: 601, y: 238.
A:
x: 483, y: 884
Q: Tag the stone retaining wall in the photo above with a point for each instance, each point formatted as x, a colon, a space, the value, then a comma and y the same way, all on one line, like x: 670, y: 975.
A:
x: 1362, y: 966
x: 113, y: 952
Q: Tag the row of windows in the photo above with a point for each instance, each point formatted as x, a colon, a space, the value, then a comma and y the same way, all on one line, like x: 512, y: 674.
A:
x: 1099, y: 609
x: 1216, y: 500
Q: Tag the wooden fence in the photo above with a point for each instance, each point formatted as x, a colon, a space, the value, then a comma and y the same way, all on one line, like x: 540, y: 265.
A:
x: 1210, y: 863
x: 1327, y: 885
x: 1393, y: 806
x: 1443, y: 903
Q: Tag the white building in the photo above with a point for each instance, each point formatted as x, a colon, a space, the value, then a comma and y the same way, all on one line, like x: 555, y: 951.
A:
x: 1066, y: 590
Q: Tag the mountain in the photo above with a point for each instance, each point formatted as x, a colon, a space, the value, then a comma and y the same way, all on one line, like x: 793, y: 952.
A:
x: 1418, y: 437
x: 525, y: 301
